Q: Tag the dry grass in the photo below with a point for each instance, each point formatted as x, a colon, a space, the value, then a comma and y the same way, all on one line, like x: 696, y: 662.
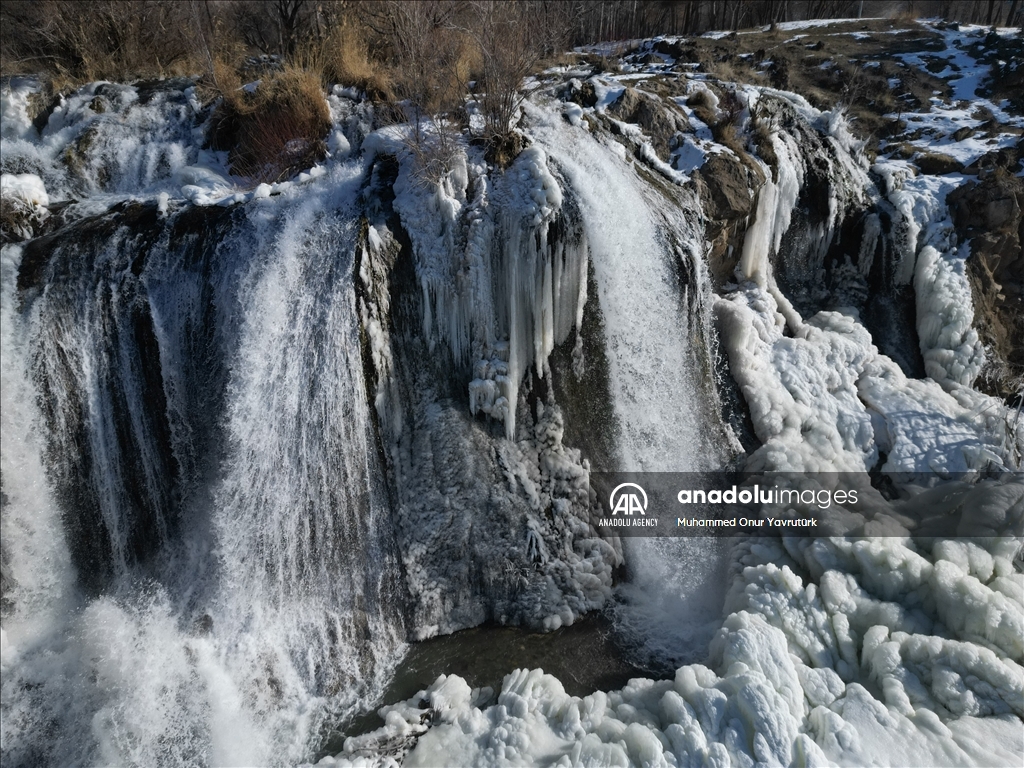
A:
x: 276, y: 131
x: 703, y: 107
x: 761, y: 138
x: 101, y: 40
x: 725, y: 133
x: 343, y: 57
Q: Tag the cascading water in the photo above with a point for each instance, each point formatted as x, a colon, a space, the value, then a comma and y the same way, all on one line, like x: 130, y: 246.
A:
x: 644, y: 238
x: 255, y: 439
x: 210, y: 440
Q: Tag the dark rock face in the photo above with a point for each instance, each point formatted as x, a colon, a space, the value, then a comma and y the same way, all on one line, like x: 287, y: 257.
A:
x: 18, y: 221
x: 585, y: 95
x: 989, y: 214
x: 657, y: 121
x: 1005, y: 157
x: 725, y: 183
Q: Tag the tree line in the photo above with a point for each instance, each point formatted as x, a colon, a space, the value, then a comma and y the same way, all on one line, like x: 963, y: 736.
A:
x: 119, y: 39
x: 418, y: 60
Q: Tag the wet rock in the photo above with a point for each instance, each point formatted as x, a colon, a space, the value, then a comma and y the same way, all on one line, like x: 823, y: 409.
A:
x: 203, y: 626
x: 41, y: 119
x: 18, y: 221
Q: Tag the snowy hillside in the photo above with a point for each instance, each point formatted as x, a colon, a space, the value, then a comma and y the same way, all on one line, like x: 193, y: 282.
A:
x: 258, y: 439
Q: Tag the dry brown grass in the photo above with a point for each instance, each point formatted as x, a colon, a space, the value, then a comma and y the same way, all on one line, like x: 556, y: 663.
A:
x: 761, y: 138
x: 725, y: 133
x: 343, y: 57
x: 703, y: 107
x: 116, y: 40
x: 276, y: 131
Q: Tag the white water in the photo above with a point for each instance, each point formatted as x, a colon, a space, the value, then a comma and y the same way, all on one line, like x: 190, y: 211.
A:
x: 671, y: 604
x: 647, y: 332
x: 32, y: 535
x: 272, y: 595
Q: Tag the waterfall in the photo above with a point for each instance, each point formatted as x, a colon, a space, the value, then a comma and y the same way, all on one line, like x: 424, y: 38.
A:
x: 230, y: 572
x: 642, y: 238
x: 256, y: 439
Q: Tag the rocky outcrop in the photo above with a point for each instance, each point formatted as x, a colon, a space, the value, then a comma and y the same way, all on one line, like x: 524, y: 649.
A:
x: 988, y: 213
x: 725, y: 184
x: 937, y: 164
x: 657, y: 121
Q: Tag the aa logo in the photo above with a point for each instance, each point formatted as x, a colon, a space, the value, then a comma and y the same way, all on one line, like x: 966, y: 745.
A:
x: 628, y: 501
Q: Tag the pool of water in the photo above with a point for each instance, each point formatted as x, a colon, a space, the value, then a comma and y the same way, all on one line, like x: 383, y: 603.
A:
x: 585, y: 657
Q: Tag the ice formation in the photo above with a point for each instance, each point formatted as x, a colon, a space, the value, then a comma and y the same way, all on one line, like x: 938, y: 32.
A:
x: 319, y: 418
x: 869, y: 649
x: 499, y: 284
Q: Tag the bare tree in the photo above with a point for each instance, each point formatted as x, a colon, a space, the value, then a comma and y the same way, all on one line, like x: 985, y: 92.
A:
x: 275, y: 26
x: 508, y: 53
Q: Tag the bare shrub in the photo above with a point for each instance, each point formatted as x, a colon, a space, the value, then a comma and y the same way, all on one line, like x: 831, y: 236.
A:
x: 275, y: 131
x: 430, y: 58
x: 508, y: 53
x: 726, y: 134
x: 99, y: 40
x: 764, y: 123
x: 277, y: 26
x: 726, y: 130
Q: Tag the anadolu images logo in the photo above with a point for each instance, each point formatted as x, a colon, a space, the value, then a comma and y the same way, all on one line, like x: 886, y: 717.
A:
x: 628, y: 502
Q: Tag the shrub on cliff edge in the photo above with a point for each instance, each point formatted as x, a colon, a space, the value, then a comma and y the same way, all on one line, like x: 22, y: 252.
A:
x: 275, y: 130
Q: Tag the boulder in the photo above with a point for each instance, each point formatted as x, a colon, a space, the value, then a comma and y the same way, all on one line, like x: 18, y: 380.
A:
x: 658, y: 123
x: 989, y: 214
x: 728, y: 187
x: 583, y: 94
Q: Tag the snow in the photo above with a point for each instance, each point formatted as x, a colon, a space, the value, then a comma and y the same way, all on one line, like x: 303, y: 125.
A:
x: 573, y: 113
x: 789, y: 26
x: 25, y: 187
x: 964, y: 75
